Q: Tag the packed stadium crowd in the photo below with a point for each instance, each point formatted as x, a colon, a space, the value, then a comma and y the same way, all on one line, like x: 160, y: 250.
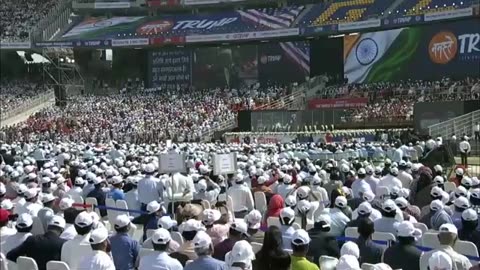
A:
x: 19, y: 18
x: 15, y: 93
x: 282, y: 207
x: 151, y: 116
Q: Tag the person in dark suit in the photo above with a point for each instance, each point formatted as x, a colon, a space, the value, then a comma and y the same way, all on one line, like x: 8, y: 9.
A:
x: 403, y: 254
x: 369, y: 251
x: 42, y: 248
x: 322, y: 244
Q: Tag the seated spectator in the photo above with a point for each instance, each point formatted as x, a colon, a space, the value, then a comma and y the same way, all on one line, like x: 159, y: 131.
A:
x: 387, y: 222
x: 124, y: 249
x: 238, y: 231
x: 204, y: 250
x: 160, y: 258
x: 439, y: 215
x: 287, y: 218
x: 271, y: 255
x: 348, y: 262
x: 369, y: 251
x: 241, y: 256
x: 404, y: 254
x: 168, y: 224
x: 24, y: 226
x: 300, y: 243
x: 189, y: 229
x: 80, y: 243
x: 253, y: 220
x: 212, y: 220
x: 350, y: 248
x: 98, y: 258
x: 322, y: 244
x: 469, y: 231
x: 440, y: 260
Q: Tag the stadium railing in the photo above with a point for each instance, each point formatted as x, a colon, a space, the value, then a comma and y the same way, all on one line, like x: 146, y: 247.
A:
x: 458, y: 125
x: 41, y: 98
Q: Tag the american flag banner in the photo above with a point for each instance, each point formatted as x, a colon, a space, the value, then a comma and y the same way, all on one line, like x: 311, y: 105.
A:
x: 279, y: 18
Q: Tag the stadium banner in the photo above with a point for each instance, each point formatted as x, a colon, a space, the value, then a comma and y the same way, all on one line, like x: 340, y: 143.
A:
x: 243, y: 35
x: 427, y: 52
x: 208, y: 2
x: 402, y: 20
x: 273, y: 58
x: 111, y: 5
x: 170, y: 69
x: 55, y: 44
x: 274, y: 137
x: 266, y: 23
x: 167, y: 40
x: 449, y: 14
x: 163, y: 3
x: 130, y: 42
x: 359, y: 25
x: 337, y: 103
x: 15, y: 45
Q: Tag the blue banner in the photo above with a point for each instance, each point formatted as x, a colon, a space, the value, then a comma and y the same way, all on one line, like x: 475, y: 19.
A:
x: 170, y: 69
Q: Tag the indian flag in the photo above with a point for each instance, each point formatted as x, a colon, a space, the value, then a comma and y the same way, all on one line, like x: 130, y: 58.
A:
x: 363, y: 52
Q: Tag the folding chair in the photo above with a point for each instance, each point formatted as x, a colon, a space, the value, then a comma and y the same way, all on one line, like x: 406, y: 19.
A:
x: 383, y: 236
x: 26, y: 263
x: 351, y: 232
x: 177, y: 237
x: 93, y: 201
x: 122, y: 204
x: 327, y: 262
x: 274, y: 221
x: 57, y: 265
x: 260, y: 201
x: 430, y: 240
x: 111, y: 214
x: 256, y: 247
x: 466, y: 248
x: 368, y: 266
x: 422, y: 227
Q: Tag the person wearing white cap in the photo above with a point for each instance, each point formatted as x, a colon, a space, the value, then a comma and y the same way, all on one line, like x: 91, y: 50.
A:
x: 447, y: 236
x: 460, y: 204
x: 369, y: 251
x: 24, y: 227
x: 371, y: 179
x: 403, y: 254
x: 79, y: 245
x: 116, y: 192
x: 98, y: 258
x: 150, y: 188
x: 387, y: 223
x: 348, y: 262
x: 287, y: 218
x: 322, y: 244
x: 207, y: 190
x: 242, y: 198
x: 390, y: 180
x: 204, y: 249
x: 31, y: 205
x: 300, y: 244
x: 42, y: 248
x: 46, y: 213
x: 160, y: 258
x: 469, y: 231
x: 167, y: 223
x: 131, y: 197
x: 465, y: 149
x: 403, y: 175
x: 338, y: 217
x: 254, y: 220
x: 238, y: 231
x: 75, y: 193
x: 240, y: 257
x: 286, y: 187
x: 360, y: 185
x: 178, y: 188
x: 438, y: 215
x: 216, y: 230
x: 350, y: 248
x: 124, y: 248
x: 441, y: 261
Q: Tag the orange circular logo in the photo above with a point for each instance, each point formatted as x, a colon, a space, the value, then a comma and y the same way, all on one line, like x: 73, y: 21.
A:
x: 443, y: 47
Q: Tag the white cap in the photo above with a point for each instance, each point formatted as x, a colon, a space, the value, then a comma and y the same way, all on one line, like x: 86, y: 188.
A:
x: 97, y: 180
x: 201, y: 186
x: 210, y: 216
x: 287, y: 212
x: 153, y: 207
x: 240, y: 226
x: 394, y: 170
x: 389, y: 206
x: 304, y: 206
x: 350, y: 248
x: 303, y: 192
x: 438, y: 168
x: 436, y: 191
x: 290, y: 200
x: 149, y: 168
x: 287, y: 179
x: 191, y: 225
x: 121, y: 221
x: 117, y: 180
x: 348, y: 262
x: 440, y: 260
x: 469, y: 215
x: 57, y: 221
x: 254, y: 219
x: 448, y: 227
x: 48, y: 197
x: 466, y: 181
x: 242, y: 252
x: 362, y: 171
x: 461, y: 202
x: 31, y: 193
x: 6, y: 204
x: 166, y: 222
x: 300, y: 237
x: 341, y: 201
x: 79, y: 181
x: 459, y: 171
x: 202, y: 240
x: 401, y: 202
x: 438, y: 179
x: 24, y: 220
x: 406, y: 229
x: 98, y: 236
x: 364, y: 208
x: 65, y: 203
x: 3, y: 190
x: 326, y: 219
x: 436, y: 205
x: 83, y: 219
x: 261, y: 180
x: 368, y: 195
x: 45, y: 180
x: 161, y: 236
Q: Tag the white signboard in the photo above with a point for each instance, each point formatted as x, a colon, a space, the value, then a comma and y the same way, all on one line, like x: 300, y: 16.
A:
x: 224, y: 163
x: 172, y: 163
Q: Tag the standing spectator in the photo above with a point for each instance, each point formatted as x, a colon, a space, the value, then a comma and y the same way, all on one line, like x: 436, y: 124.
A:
x: 403, y: 254
x: 447, y: 236
x: 42, y: 248
x: 369, y: 252
x: 465, y: 149
x: 98, y: 258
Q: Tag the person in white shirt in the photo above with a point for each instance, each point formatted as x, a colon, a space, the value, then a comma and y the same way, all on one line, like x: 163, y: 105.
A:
x: 360, y: 185
x: 242, y: 198
x: 75, y: 193
x: 370, y: 178
x: 287, y: 218
x: 403, y: 175
x: 476, y: 131
x: 23, y: 226
x: 178, y: 188
x: 72, y: 250
x: 160, y: 260
x: 201, y: 192
x: 390, y: 180
x: 31, y: 205
x: 131, y: 197
x: 149, y: 188
x: 286, y: 187
x: 398, y: 154
x: 465, y: 149
x: 46, y: 213
x: 98, y: 259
